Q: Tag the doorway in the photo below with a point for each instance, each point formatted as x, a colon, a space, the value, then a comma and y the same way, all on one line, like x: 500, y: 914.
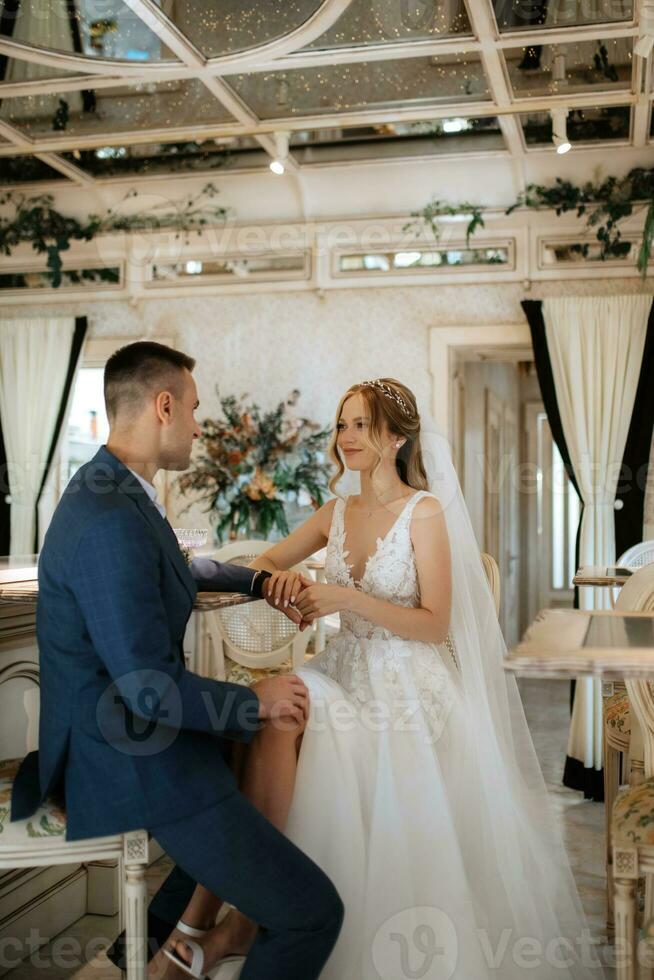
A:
x: 481, y: 383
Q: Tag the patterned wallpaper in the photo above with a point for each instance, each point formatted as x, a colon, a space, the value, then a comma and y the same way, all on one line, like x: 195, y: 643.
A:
x: 269, y: 343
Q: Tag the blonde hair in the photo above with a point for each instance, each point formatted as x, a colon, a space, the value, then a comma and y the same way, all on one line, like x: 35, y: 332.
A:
x: 390, y: 402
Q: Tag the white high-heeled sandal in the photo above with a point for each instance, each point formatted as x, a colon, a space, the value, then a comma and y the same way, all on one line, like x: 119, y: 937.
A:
x: 228, y: 968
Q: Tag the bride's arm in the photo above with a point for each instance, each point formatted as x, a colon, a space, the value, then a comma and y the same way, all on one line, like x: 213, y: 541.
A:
x: 429, y: 622
x: 309, y: 537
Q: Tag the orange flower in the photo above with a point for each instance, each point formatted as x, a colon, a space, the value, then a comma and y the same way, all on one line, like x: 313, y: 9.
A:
x: 261, y: 486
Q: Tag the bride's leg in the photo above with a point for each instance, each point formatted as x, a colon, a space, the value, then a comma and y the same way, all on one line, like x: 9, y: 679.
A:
x: 269, y: 771
x: 266, y: 770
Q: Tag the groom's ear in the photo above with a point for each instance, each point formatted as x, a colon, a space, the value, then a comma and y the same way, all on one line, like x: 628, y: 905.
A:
x: 163, y: 404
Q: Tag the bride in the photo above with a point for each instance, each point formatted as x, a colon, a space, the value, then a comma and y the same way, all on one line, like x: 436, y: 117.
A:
x: 416, y: 787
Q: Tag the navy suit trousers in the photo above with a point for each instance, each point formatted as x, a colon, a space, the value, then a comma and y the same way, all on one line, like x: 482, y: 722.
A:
x: 236, y: 853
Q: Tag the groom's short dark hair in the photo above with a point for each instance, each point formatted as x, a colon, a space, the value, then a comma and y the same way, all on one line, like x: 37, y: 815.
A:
x: 137, y: 370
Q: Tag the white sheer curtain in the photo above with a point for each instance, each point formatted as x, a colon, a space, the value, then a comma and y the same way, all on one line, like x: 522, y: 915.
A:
x: 34, y: 357
x: 596, y: 347
x: 45, y: 25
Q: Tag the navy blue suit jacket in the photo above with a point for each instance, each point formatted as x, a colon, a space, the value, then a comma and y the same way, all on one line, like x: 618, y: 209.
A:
x: 128, y: 734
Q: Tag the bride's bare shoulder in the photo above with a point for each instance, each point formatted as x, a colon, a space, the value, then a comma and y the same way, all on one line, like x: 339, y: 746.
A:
x: 427, y: 506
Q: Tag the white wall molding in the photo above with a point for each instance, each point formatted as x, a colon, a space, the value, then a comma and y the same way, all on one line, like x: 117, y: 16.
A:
x: 445, y: 341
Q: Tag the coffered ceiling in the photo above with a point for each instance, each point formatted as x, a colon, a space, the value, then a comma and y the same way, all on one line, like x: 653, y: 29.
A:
x: 97, y: 89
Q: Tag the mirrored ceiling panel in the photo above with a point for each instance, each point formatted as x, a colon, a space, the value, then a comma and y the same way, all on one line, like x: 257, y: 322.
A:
x: 385, y: 141
x: 590, y: 125
x: 384, y: 21
x: 369, y: 85
x: 227, y: 26
x: 16, y: 70
x: 559, y: 68
x: 92, y: 28
x: 25, y: 169
x: 128, y: 108
x: 522, y: 15
x: 223, y: 153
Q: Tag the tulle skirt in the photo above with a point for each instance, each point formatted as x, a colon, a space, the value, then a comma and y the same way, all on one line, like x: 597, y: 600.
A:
x: 388, y: 803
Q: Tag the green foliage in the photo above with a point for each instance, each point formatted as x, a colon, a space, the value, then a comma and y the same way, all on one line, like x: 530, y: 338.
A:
x: 438, y: 209
x: 35, y: 220
x: 252, y: 463
x: 604, y: 205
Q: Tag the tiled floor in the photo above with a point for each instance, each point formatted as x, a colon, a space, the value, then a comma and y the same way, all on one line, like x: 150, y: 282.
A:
x: 546, y: 705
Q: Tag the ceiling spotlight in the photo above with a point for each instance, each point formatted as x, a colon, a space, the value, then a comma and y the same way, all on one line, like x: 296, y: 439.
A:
x: 559, y: 131
x: 278, y: 164
x: 455, y: 125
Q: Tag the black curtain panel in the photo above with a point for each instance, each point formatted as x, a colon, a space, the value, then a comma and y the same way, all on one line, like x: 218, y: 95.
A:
x: 575, y: 774
x: 79, y: 335
x: 635, y: 461
x: 5, y: 510
x: 88, y: 95
x: 8, y: 13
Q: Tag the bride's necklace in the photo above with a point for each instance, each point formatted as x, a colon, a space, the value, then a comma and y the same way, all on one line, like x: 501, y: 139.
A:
x: 373, y: 510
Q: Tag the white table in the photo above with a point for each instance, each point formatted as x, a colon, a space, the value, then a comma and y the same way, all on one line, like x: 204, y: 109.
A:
x: 570, y: 643
x: 602, y: 576
x: 612, y: 644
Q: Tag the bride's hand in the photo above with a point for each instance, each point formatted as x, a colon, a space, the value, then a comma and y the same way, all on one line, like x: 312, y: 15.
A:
x: 319, y: 599
x: 282, y: 588
x: 281, y: 591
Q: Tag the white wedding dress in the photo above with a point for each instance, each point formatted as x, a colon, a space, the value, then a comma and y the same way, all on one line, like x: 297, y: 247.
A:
x: 387, y: 804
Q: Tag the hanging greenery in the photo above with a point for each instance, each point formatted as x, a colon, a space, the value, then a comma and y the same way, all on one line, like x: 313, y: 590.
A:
x: 439, y: 209
x: 35, y: 220
x: 604, y: 204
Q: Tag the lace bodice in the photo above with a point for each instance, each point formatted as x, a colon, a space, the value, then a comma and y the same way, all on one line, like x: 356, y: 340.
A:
x: 390, y: 572
x: 373, y: 664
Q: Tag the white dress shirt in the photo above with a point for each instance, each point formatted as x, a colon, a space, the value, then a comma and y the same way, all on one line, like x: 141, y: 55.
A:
x: 151, y: 492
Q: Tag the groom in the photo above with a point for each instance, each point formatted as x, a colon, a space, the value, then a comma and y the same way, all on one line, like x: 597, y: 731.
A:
x: 128, y: 736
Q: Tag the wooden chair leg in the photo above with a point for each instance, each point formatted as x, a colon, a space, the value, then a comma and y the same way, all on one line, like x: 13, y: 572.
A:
x: 625, y: 928
x: 136, y: 921
x: 611, y: 786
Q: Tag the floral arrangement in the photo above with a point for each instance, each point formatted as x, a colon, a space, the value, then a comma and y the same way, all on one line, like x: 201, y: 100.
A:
x: 253, y: 464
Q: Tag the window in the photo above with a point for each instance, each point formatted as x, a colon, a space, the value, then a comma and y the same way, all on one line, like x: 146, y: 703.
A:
x: 422, y: 260
x: 235, y: 269
x: 88, y: 427
x: 559, y: 510
x: 77, y: 279
x: 553, y: 253
x: 565, y: 510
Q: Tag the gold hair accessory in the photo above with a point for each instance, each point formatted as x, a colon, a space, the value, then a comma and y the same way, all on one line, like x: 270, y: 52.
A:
x: 389, y: 392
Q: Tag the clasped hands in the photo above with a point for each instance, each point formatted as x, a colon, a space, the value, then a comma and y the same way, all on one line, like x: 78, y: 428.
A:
x: 302, y: 599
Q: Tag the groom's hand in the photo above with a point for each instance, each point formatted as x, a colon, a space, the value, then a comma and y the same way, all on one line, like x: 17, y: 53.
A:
x: 282, y: 697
